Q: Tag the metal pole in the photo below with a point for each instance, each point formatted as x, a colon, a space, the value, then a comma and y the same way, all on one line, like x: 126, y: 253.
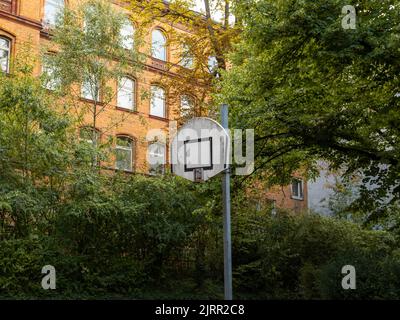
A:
x: 226, y: 195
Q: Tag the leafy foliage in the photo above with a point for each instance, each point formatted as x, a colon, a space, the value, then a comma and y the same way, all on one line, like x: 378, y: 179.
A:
x: 283, y: 257
x: 313, y: 90
x: 131, y: 236
x: 91, y: 58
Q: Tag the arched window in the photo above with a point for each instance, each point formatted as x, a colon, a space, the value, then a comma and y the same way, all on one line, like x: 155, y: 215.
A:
x: 297, y: 189
x: 127, y: 35
x: 158, y: 45
x: 187, y: 105
x: 126, y: 93
x: 5, y: 53
x: 124, y: 151
x: 52, y: 8
x: 157, y: 102
x: 89, y: 135
x: 156, y: 158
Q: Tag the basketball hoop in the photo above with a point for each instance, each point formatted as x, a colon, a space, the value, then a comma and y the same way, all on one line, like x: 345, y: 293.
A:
x: 200, y: 150
x: 202, y: 145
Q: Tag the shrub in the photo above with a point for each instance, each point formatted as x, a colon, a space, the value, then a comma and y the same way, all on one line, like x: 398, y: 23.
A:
x: 377, y: 276
x: 281, y: 257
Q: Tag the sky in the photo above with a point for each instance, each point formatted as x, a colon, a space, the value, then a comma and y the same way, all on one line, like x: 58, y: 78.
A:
x: 199, y: 6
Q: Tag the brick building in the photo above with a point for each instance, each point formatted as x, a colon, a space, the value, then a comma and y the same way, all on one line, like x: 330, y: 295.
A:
x: 23, y: 21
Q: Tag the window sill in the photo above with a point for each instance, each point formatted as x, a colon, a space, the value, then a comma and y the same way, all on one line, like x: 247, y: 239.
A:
x: 297, y: 198
x: 156, y: 174
x: 118, y: 170
x: 158, y: 118
x: 187, y: 68
x: 124, y: 171
x: 158, y: 64
x: 46, y: 30
x: 158, y: 60
x: 91, y: 101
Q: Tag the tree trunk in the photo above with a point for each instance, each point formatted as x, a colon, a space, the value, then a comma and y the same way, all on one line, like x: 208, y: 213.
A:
x: 214, y: 40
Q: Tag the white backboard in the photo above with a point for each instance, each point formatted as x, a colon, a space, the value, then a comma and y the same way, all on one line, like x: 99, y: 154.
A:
x: 200, y: 149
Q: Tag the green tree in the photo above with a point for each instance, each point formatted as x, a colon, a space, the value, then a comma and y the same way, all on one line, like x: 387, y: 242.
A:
x: 313, y: 90
x: 37, y: 149
x: 92, y: 56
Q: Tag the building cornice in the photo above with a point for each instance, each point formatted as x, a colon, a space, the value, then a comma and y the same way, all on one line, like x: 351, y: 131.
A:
x: 21, y: 19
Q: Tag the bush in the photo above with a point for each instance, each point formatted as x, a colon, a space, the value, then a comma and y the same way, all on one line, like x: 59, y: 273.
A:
x: 377, y: 276
x: 20, y: 267
x: 160, y: 237
x: 301, y: 256
x: 110, y: 236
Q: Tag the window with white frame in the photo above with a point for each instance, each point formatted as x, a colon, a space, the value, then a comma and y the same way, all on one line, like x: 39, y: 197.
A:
x: 187, y: 105
x: 127, y: 35
x: 157, y: 102
x: 52, y: 9
x: 187, y: 59
x: 89, y: 135
x: 156, y: 158
x: 126, y: 93
x: 5, y: 50
x: 51, y: 80
x: 124, y: 153
x: 158, y: 45
x: 90, y: 89
x: 212, y: 64
x: 297, y: 189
